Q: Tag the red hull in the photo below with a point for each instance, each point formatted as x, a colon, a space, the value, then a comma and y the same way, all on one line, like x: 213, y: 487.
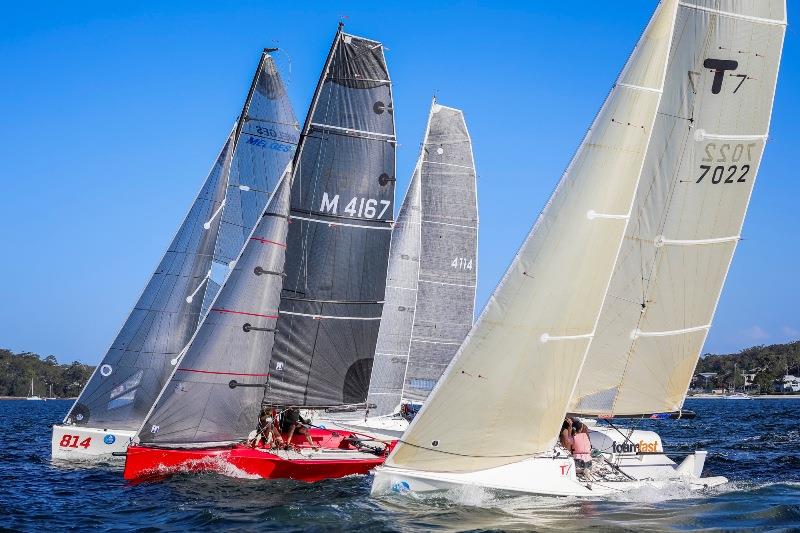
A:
x: 243, y: 461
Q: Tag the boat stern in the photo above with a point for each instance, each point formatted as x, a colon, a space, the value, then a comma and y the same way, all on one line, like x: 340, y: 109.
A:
x: 88, y: 444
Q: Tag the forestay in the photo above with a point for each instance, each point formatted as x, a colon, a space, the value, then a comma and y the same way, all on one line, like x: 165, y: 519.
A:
x: 338, y: 242
x: 141, y: 358
x: 505, y: 393
x: 707, y: 144
x: 430, y: 293
x: 199, y: 405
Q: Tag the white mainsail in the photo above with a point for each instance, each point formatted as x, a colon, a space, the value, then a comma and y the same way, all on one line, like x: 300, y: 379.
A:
x: 504, y: 395
x: 430, y: 288
x: 707, y: 145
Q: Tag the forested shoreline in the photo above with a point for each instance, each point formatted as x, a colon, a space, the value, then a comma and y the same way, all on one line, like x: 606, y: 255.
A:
x: 17, y: 370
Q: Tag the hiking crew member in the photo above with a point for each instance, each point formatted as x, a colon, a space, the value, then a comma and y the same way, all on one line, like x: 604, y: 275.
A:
x: 292, y: 422
x: 581, y: 446
x: 266, y: 431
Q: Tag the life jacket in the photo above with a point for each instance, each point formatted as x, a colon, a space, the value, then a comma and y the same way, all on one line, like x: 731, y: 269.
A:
x: 582, y: 447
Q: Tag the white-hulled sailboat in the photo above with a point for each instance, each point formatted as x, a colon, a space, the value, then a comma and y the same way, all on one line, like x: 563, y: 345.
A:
x: 657, y: 192
x: 431, y: 280
x: 296, y: 322
x: 123, y: 387
x: 31, y: 395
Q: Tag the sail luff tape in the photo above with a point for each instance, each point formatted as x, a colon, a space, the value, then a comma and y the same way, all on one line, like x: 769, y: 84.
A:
x: 749, y: 18
x: 701, y: 134
x: 662, y: 241
x: 592, y: 214
x: 640, y: 88
x: 207, y: 225
x: 546, y: 337
x: 194, y: 293
x: 635, y: 334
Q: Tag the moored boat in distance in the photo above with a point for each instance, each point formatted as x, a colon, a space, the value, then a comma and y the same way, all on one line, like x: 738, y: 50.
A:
x: 31, y: 395
x: 124, y: 386
x: 605, y: 309
x: 296, y: 322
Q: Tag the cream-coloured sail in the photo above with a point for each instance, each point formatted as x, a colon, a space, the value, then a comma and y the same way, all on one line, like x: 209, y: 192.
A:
x: 505, y: 393
x: 703, y: 159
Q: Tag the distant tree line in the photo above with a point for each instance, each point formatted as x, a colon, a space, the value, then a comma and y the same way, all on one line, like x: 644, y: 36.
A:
x: 768, y: 363
x: 17, y: 370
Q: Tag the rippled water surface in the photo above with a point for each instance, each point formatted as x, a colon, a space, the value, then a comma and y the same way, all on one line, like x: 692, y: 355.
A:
x: 754, y: 443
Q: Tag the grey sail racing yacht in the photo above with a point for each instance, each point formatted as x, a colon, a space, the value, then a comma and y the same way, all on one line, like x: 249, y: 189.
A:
x: 113, y: 404
x: 430, y: 287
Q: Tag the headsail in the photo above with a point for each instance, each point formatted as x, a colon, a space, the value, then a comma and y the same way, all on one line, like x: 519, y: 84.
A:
x: 140, y: 360
x: 199, y: 404
x: 707, y: 144
x: 430, y: 293
x: 338, y: 242
x: 505, y: 393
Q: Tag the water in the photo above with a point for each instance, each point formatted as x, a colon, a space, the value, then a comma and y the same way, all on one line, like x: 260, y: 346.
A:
x: 754, y: 443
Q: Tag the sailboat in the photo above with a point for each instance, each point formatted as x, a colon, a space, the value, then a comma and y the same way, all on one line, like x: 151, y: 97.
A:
x: 296, y: 322
x: 430, y: 287
x: 654, y: 200
x: 734, y: 394
x: 124, y: 386
x: 31, y: 395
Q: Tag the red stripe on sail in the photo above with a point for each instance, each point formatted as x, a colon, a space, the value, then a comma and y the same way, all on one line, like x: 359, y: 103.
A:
x: 220, y: 310
x: 223, y: 373
x: 265, y: 241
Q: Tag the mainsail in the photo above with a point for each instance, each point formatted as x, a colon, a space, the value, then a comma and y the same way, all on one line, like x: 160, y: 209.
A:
x: 300, y: 310
x: 338, y: 242
x: 707, y: 144
x: 430, y: 287
x: 505, y: 393
x: 141, y: 358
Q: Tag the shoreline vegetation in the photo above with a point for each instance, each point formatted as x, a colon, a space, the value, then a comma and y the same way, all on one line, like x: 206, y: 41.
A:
x: 756, y: 370
x: 18, y: 369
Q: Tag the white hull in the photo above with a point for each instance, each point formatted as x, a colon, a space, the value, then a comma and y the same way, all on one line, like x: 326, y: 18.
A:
x: 389, y: 427
x: 36, y: 398
x: 555, y: 475
x: 88, y: 444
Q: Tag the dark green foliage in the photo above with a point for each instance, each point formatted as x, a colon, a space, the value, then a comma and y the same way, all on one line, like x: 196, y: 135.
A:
x: 769, y: 363
x: 16, y: 371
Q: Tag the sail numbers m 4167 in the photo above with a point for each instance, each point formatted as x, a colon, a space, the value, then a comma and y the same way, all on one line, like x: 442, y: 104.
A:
x: 356, y: 207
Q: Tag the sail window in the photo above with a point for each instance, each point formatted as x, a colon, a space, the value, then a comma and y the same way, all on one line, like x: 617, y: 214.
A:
x: 124, y: 393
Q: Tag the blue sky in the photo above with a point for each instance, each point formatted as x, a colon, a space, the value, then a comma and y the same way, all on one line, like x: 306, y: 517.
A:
x: 113, y: 111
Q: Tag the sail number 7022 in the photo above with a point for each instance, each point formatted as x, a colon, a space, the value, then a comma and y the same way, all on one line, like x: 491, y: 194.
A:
x: 741, y: 155
x: 356, y: 207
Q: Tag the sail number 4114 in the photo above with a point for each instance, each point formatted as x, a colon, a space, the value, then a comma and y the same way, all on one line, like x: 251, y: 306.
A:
x: 357, y: 207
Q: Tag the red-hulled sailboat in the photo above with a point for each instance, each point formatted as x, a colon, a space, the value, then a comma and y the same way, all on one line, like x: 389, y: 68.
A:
x: 296, y: 322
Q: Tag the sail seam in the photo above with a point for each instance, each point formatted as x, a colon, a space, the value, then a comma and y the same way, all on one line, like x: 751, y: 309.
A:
x: 436, y: 342
x: 449, y: 224
x: 749, y: 18
x: 230, y: 311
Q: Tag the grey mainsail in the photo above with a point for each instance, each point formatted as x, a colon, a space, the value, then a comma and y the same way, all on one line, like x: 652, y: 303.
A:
x: 199, y: 404
x: 338, y: 242
x: 430, y: 297
x: 141, y: 358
